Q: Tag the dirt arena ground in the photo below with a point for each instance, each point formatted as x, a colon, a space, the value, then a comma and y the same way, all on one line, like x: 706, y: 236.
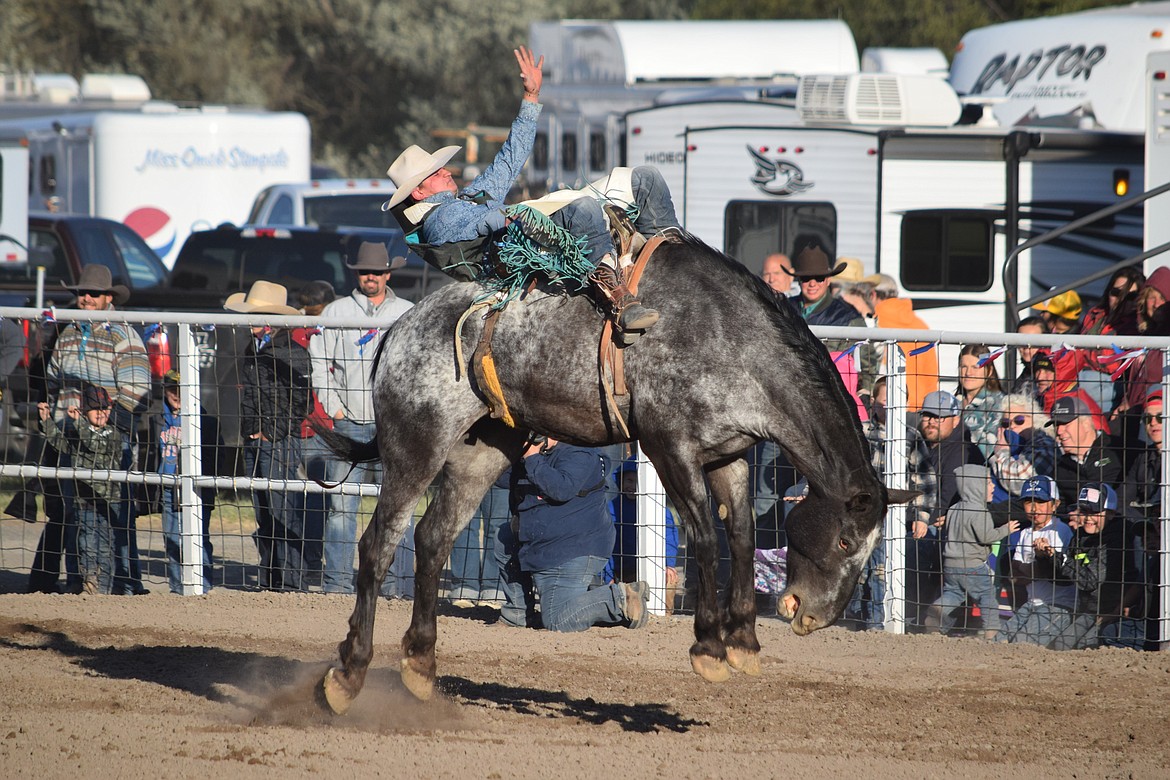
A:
x: 162, y: 685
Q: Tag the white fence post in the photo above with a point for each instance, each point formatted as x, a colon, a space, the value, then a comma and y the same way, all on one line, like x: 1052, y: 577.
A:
x: 190, y: 465
x: 895, y: 476
x: 1164, y: 502
x: 651, y: 534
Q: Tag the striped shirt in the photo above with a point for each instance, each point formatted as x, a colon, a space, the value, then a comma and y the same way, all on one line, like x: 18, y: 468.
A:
x: 106, y: 354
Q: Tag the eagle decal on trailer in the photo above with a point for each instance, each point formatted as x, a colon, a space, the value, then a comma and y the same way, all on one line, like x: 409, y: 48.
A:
x: 778, y: 177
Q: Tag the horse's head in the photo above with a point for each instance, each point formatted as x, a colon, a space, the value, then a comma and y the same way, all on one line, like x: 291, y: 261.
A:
x: 829, y: 541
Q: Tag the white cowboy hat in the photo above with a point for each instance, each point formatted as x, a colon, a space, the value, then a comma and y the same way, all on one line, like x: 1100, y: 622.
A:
x: 372, y: 256
x: 263, y: 298
x: 411, y: 167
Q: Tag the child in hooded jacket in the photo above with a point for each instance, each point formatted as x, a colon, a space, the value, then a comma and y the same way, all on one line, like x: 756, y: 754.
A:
x: 969, y: 534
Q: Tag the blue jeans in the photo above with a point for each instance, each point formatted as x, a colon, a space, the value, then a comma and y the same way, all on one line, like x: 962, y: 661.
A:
x: 566, y: 601
x: 1037, y: 624
x: 59, y: 538
x: 279, y: 516
x: 95, y: 543
x: 584, y: 218
x: 871, y: 611
x: 315, y: 459
x: 340, y: 543
x: 1124, y: 632
x: 173, y: 539
x: 127, y: 569
x: 475, y: 574
x: 978, y: 585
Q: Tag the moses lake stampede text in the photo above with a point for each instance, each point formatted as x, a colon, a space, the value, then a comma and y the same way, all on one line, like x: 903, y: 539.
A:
x: 191, y: 157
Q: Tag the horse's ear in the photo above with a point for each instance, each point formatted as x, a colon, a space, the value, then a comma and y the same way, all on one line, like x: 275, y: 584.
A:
x: 902, y: 496
x: 859, y: 504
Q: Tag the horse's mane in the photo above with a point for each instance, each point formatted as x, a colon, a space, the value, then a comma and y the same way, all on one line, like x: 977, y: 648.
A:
x: 801, y: 345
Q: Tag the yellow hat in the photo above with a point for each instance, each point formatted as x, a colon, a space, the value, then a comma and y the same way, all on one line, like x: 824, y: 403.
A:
x: 1067, y: 305
x: 853, y: 272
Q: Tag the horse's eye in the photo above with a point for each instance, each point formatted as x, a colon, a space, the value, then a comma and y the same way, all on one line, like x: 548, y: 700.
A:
x: 843, y: 543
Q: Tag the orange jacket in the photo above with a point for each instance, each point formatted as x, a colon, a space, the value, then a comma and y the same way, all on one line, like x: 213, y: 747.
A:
x: 921, y: 369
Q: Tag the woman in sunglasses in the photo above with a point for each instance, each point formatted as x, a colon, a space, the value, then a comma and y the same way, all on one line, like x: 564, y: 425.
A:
x: 1142, y: 491
x: 1023, y: 449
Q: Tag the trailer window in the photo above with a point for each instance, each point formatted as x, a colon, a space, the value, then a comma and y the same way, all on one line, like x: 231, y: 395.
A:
x: 48, y: 174
x: 568, y: 152
x: 597, y: 152
x: 947, y: 251
x: 540, y: 151
x: 753, y: 230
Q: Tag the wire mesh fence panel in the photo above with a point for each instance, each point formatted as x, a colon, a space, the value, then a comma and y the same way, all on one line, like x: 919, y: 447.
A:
x: 1038, y: 460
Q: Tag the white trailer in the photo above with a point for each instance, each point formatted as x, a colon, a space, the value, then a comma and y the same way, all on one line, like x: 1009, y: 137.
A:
x: 1082, y: 69
x: 163, y: 170
x: 13, y: 203
x: 597, y: 71
x: 937, y: 208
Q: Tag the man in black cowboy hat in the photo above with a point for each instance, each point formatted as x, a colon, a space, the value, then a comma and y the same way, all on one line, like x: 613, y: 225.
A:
x: 811, y: 265
x: 110, y: 355
x: 342, y: 361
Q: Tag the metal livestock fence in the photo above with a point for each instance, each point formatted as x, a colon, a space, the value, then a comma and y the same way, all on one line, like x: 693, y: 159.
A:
x: 207, y: 350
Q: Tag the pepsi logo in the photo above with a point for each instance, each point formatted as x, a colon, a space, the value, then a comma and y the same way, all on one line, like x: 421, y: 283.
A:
x: 155, y: 226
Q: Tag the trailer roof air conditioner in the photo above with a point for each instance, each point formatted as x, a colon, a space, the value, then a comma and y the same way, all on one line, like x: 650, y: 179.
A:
x: 877, y: 99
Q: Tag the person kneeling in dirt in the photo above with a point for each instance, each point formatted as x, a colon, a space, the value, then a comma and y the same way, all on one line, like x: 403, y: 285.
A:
x: 431, y: 207
x: 558, y: 542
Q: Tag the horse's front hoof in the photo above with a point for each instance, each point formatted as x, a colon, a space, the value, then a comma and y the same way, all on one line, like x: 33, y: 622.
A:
x: 710, y: 669
x: 743, y: 661
x: 337, y: 695
x: 421, y: 686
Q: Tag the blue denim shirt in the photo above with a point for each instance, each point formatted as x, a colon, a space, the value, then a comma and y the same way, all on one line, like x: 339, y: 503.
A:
x: 458, y: 217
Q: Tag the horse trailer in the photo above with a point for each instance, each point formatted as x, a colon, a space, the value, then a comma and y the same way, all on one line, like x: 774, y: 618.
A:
x: 597, y: 71
x: 162, y: 169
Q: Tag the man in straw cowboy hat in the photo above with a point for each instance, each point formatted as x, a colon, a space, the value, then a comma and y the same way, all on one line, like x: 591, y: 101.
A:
x: 342, y: 376
x: 275, y: 400
x: 109, y: 355
x: 428, y: 196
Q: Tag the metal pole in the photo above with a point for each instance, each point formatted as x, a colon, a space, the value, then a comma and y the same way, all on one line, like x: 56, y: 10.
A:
x: 896, y: 476
x: 190, y: 466
x: 651, y: 535
x: 1164, y: 491
x: 40, y: 287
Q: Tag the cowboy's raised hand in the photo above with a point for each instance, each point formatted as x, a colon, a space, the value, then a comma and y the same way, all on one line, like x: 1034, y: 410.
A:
x: 530, y: 72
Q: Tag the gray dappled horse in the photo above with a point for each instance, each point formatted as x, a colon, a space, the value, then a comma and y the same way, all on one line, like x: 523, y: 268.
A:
x: 725, y: 368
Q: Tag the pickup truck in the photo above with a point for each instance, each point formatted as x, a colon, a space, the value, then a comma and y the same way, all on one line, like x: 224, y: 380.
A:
x: 324, y: 202
x: 62, y: 244
x: 213, y: 264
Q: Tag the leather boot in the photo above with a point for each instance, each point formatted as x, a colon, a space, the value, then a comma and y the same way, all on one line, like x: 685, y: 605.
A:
x: 628, y: 312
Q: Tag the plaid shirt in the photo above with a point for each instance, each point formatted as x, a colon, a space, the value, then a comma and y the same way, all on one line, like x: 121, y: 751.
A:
x: 918, y: 465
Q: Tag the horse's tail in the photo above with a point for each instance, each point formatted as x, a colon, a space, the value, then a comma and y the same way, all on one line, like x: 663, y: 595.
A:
x: 345, y: 448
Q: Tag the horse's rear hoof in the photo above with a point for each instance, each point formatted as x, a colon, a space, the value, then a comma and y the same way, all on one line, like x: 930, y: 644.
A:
x: 710, y: 669
x: 421, y: 686
x: 337, y: 696
x: 743, y: 661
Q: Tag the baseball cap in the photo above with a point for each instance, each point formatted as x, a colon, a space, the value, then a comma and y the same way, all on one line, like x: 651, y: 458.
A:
x: 94, y: 397
x: 1096, y: 497
x: 940, y: 403
x: 1068, y: 408
x: 171, y: 378
x: 1040, y: 489
x: 1042, y: 363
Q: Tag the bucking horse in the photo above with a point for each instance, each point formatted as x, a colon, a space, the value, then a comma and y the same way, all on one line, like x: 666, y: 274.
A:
x: 727, y: 366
